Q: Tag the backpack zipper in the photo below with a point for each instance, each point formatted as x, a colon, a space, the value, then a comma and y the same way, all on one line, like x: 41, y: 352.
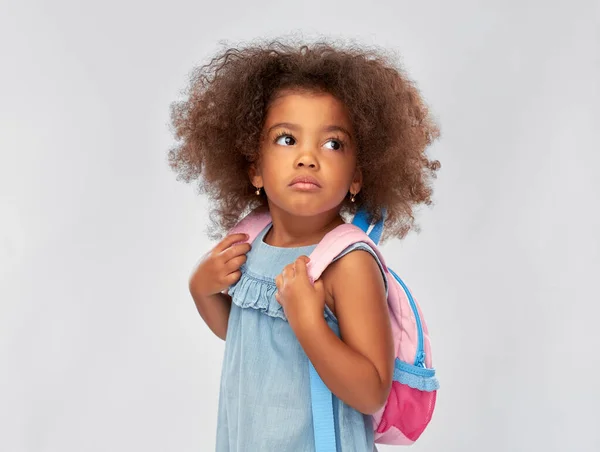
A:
x: 420, y: 356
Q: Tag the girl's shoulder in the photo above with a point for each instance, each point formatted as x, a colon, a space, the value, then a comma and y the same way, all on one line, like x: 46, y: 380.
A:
x: 352, y: 265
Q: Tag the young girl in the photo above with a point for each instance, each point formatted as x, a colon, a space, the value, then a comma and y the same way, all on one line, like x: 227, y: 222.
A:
x: 312, y: 133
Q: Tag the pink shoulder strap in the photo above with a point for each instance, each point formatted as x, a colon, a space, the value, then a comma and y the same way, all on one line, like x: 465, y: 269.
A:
x: 252, y: 224
x: 333, y: 244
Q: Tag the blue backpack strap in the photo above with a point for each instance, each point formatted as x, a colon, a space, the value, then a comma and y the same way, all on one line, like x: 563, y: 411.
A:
x: 322, y: 410
x: 361, y: 219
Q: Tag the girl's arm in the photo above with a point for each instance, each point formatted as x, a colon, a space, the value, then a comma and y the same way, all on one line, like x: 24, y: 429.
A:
x: 358, y: 368
x: 214, y: 310
x: 214, y: 273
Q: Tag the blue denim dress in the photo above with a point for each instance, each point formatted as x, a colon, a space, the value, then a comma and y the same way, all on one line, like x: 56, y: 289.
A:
x: 264, y: 400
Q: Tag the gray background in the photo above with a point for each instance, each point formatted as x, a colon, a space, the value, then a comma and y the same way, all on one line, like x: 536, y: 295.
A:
x: 101, y: 348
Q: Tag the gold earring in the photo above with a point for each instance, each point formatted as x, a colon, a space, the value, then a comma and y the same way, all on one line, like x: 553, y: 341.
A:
x: 257, y: 191
x: 353, y: 197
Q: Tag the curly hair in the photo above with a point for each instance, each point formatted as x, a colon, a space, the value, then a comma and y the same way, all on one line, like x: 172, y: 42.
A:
x: 219, y: 125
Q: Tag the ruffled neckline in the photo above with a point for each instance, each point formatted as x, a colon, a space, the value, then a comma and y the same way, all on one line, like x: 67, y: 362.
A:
x: 252, y: 291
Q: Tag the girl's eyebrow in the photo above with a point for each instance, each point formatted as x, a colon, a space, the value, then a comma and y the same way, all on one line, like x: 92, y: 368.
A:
x: 288, y: 125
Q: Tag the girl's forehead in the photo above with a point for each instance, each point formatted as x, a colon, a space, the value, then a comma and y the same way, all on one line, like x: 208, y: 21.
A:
x: 306, y: 108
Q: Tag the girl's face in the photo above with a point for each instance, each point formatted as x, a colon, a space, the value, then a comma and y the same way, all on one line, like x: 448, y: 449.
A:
x: 307, y: 161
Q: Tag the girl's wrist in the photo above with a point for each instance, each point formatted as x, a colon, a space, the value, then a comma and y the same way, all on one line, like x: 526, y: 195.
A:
x: 307, y: 322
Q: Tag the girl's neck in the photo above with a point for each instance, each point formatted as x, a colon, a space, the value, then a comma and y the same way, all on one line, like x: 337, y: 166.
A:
x: 289, y: 231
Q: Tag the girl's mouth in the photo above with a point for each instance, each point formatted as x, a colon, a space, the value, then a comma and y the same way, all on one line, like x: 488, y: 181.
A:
x: 305, y: 182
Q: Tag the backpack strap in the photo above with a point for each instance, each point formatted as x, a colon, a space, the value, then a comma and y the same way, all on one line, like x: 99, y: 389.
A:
x: 333, y: 244
x: 326, y: 251
x: 252, y: 224
x: 361, y: 219
x: 322, y: 411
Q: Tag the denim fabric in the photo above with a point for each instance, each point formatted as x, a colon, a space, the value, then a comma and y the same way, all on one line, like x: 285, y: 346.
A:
x: 264, y: 400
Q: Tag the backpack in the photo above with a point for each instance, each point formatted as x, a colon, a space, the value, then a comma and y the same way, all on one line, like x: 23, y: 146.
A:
x: 411, y: 401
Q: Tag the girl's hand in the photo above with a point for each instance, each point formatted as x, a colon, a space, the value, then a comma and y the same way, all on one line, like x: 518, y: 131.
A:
x: 220, y: 267
x: 302, y: 302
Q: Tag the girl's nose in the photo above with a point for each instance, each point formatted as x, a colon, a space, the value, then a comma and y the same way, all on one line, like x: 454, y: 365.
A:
x: 307, y: 159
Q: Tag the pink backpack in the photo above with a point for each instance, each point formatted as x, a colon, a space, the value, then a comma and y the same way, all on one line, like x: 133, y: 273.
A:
x: 410, y: 404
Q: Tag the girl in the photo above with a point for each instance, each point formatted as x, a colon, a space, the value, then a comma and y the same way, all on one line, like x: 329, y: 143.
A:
x: 312, y: 133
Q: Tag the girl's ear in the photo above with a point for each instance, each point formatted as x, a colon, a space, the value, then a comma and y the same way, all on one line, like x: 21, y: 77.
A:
x: 255, y: 177
x: 356, y: 184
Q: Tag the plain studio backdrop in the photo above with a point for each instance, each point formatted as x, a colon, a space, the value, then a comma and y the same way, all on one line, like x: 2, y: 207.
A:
x: 101, y: 347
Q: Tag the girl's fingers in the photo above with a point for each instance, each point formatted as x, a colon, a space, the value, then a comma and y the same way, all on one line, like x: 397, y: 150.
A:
x: 232, y: 278
x: 235, y: 250
x: 289, y: 271
x: 235, y: 263
x: 300, y: 267
x: 230, y: 240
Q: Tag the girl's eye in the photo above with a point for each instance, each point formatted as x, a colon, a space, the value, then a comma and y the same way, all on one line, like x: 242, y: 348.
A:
x: 336, y: 145
x: 285, y: 140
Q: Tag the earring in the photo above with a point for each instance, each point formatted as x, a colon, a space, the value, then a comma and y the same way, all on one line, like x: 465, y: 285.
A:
x: 257, y: 191
x: 353, y: 197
